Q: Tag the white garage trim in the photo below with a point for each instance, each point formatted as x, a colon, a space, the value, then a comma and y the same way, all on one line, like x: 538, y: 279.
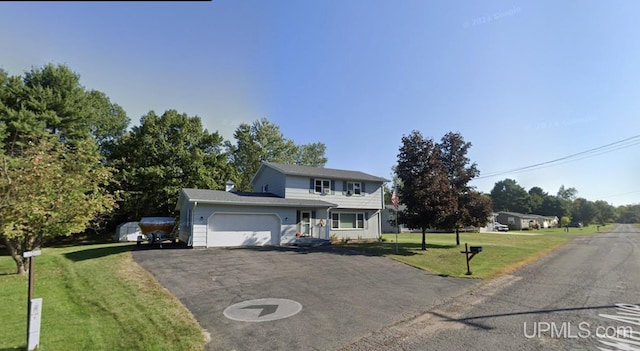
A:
x: 243, y: 229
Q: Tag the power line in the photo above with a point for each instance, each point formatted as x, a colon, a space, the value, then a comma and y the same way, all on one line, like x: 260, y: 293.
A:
x: 620, y: 194
x: 618, y: 145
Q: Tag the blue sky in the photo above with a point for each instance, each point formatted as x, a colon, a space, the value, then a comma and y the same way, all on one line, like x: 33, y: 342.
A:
x: 524, y: 82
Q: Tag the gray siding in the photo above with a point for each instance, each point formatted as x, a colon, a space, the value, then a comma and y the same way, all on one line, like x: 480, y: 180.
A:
x: 372, y: 198
x: 184, y: 233
x: 371, y: 228
x: 514, y: 221
x: 386, y: 215
x: 271, y: 178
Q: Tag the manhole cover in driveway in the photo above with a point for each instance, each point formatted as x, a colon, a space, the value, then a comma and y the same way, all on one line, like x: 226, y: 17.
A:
x: 262, y: 310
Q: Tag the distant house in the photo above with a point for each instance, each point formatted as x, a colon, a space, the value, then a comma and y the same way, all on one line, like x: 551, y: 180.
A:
x: 519, y: 221
x: 548, y: 221
x: 289, y: 203
x: 490, y: 226
x: 389, y: 220
x: 516, y: 221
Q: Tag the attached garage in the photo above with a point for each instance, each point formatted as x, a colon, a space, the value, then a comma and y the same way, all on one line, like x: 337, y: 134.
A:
x: 243, y: 229
x: 214, y: 218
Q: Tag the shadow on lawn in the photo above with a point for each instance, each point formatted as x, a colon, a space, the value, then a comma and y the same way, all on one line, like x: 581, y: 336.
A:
x: 353, y: 249
x: 97, y: 252
x: 306, y: 250
x: 389, y: 248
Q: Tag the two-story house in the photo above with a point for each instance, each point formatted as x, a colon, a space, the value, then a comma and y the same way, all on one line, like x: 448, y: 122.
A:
x: 288, y: 204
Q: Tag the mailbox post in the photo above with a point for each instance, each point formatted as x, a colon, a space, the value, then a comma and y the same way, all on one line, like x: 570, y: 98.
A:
x: 469, y: 253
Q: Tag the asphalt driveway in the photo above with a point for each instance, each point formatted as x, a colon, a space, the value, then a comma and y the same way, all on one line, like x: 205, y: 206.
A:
x: 344, y: 295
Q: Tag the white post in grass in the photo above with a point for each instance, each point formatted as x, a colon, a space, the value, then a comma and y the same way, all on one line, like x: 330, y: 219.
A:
x: 34, y: 306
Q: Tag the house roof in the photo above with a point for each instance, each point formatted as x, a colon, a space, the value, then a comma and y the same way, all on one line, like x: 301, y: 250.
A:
x: 530, y: 216
x: 246, y: 199
x: 321, y: 172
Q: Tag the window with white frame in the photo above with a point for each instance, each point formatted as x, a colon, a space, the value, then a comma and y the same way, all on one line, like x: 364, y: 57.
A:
x: 346, y: 220
x: 353, y: 188
x: 322, y: 186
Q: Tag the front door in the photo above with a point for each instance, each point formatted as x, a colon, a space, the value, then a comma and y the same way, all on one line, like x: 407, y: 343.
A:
x: 305, y: 223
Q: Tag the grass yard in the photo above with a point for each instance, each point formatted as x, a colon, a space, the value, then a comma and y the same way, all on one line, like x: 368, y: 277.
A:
x: 592, y: 229
x: 502, y: 253
x: 94, y: 298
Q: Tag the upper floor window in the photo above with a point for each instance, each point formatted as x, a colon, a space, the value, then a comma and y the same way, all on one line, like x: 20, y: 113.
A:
x: 353, y: 188
x: 322, y: 186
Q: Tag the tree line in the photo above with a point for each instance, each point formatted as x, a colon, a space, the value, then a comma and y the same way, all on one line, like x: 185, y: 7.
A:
x: 432, y: 180
x: 508, y: 195
x: 68, y: 162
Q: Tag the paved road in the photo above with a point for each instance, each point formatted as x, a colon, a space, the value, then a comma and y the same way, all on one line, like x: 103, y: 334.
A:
x: 344, y: 295
x: 556, y: 303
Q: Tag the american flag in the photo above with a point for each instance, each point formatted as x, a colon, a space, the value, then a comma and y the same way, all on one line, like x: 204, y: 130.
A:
x: 394, y: 199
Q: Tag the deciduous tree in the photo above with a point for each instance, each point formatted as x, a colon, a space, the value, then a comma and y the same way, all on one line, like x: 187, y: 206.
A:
x: 584, y: 211
x: 51, y: 189
x: 54, y: 178
x: 163, y: 155
x: 536, y: 199
x: 469, y: 208
x: 628, y: 213
x: 567, y: 193
x: 424, y: 186
x: 552, y: 206
x: 311, y: 155
x: 262, y: 141
x: 508, y: 195
x: 564, y: 221
x: 605, y: 212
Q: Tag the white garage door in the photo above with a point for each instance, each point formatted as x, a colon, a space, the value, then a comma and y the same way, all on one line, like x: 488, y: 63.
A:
x: 227, y: 229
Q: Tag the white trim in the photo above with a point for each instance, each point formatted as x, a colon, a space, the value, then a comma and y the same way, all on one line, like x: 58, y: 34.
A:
x: 352, y: 191
x: 246, y: 213
x: 364, y: 221
x: 310, y: 223
x: 279, y: 234
x: 323, y: 190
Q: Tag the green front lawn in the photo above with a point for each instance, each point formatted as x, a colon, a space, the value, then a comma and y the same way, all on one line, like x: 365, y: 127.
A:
x: 502, y: 253
x: 592, y: 229
x: 95, y: 297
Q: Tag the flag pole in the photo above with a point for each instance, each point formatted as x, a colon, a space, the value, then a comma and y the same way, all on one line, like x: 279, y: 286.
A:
x: 395, y: 200
x: 397, y: 229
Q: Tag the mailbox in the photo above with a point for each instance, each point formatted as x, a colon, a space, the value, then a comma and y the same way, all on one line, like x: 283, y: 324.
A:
x: 470, y: 252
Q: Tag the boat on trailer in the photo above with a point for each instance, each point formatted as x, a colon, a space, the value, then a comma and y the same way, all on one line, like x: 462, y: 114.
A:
x: 157, y: 229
